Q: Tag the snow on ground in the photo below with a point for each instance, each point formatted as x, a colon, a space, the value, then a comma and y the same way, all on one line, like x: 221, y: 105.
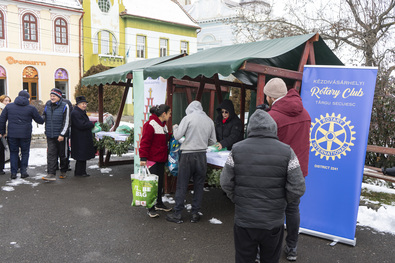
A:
x: 40, y: 128
x: 382, y: 219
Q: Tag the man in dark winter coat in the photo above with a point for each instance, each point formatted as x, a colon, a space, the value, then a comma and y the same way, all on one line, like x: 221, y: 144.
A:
x: 82, y: 148
x: 293, y: 128
x: 19, y: 115
x: 57, y: 122
x: 261, y: 176
x: 228, y: 126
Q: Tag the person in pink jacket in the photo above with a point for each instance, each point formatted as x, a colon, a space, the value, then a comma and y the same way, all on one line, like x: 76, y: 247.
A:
x: 293, y: 128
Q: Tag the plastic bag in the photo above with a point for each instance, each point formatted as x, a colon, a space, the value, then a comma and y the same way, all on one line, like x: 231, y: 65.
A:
x: 96, y: 128
x: 213, y: 148
x: 124, y: 129
x: 174, y: 156
x: 144, y: 188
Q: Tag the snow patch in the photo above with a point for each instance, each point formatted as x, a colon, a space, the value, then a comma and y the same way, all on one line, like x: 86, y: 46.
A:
x: 105, y: 170
x: 215, y: 221
x: 93, y: 166
x: 167, y: 198
x: 7, y: 188
x: 382, y: 220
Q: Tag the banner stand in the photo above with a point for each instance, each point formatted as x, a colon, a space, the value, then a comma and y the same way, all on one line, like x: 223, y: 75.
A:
x: 328, y: 236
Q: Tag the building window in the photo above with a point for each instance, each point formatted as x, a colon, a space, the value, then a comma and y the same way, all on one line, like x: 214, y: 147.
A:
x: 1, y: 25
x: 184, y: 47
x: 29, y: 27
x: 108, y: 43
x: 105, y: 42
x: 2, y: 81
x: 61, y: 81
x: 61, y: 31
x: 164, y: 47
x: 141, y: 41
x: 104, y: 5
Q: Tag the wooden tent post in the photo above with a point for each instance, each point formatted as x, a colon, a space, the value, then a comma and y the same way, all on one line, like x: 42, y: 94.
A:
x: 199, y: 93
x: 169, y: 101
x: 212, y: 101
x: 307, y: 56
x: 188, y: 93
x: 242, y: 105
x: 260, y: 96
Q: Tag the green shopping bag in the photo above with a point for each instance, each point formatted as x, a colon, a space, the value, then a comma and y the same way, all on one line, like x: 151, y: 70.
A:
x: 144, y: 188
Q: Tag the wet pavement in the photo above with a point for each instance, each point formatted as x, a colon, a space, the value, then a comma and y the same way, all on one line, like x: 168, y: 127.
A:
x: 91, y: 220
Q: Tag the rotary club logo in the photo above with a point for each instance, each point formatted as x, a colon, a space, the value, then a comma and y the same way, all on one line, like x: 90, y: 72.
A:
x: 331, y: 136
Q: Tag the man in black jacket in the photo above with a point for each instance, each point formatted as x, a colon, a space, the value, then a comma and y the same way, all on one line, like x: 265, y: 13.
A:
x: 228, y: 126
x: 19, y: 115
x: 261, y: 176
x: 57, y: 122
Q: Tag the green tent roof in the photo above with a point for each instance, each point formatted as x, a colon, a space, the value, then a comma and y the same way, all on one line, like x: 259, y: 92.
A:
x: 118, y: 74
x: 282, y: 52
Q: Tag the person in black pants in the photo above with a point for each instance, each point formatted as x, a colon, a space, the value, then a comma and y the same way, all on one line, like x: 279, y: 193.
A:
x: 153, y: 150
x: 57, y: 123
x: 82, y: 148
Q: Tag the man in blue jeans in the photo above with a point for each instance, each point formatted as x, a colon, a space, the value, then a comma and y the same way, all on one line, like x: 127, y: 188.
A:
x: 19, y: 115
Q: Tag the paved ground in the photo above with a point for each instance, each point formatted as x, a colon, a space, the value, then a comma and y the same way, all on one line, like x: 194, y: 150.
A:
x: 91, y: 220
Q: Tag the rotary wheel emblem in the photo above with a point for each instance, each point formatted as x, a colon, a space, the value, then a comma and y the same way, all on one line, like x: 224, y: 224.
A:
x: 331, y: 136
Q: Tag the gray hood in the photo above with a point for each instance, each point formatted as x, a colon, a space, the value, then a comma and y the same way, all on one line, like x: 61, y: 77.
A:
x: 261, y: 123
x: 194, y: 107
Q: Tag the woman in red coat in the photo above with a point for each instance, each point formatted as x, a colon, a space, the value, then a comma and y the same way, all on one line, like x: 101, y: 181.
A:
x: 153, y: 150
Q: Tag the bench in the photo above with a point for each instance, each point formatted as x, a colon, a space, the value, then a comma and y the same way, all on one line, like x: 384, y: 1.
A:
x: 374, y: 171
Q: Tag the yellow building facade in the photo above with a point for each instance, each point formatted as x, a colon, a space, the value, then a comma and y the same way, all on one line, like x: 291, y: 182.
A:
x: 122, y: 31
x: 40, y: 47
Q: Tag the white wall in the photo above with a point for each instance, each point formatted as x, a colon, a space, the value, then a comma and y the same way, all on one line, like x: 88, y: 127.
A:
x: 153, y: 43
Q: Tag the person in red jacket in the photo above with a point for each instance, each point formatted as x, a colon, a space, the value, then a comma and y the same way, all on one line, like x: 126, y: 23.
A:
x: 153, y: 150
x: 293, y: 128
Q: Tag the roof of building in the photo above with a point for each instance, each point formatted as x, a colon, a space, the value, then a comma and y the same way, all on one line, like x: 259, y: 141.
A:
x: 74, y: 4
x: 281, y: 53
x: 119, y: 74
x: 162, y: 10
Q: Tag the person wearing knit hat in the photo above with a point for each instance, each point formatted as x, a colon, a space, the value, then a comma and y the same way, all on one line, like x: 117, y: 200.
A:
x: 57, y: 122
x: 293, y: 128
x: 19, y: 116
x: 275, y: 89
x: 57, y: 92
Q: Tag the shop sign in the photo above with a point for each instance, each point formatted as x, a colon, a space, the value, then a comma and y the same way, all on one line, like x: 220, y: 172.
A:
x: 11, y: 61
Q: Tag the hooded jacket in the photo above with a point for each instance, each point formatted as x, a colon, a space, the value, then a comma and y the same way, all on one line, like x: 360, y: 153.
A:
x: 19, y: 115
x: 231, y: 131
x: 293, y: 124
x: 261, y: 175
x: 197, y: 128
x: 153, y: 145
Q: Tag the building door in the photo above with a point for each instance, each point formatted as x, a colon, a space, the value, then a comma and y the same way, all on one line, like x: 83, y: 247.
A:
x: 30, y: 82
x: 3, y: 76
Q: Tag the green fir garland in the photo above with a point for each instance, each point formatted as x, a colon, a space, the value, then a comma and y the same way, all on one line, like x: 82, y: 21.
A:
x: 115, y: 147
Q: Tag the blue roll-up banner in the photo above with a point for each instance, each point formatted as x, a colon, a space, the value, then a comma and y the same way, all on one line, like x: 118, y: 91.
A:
x: 339, y: 101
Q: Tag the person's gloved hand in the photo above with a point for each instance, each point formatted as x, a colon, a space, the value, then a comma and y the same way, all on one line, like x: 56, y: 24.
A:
x: 263, y: 106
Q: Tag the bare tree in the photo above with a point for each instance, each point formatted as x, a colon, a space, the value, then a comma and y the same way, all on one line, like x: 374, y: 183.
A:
x: 360, y: 32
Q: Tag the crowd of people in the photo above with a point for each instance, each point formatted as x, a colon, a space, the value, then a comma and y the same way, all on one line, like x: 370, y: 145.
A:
x: 62, y: 122
x: 263, y: 175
